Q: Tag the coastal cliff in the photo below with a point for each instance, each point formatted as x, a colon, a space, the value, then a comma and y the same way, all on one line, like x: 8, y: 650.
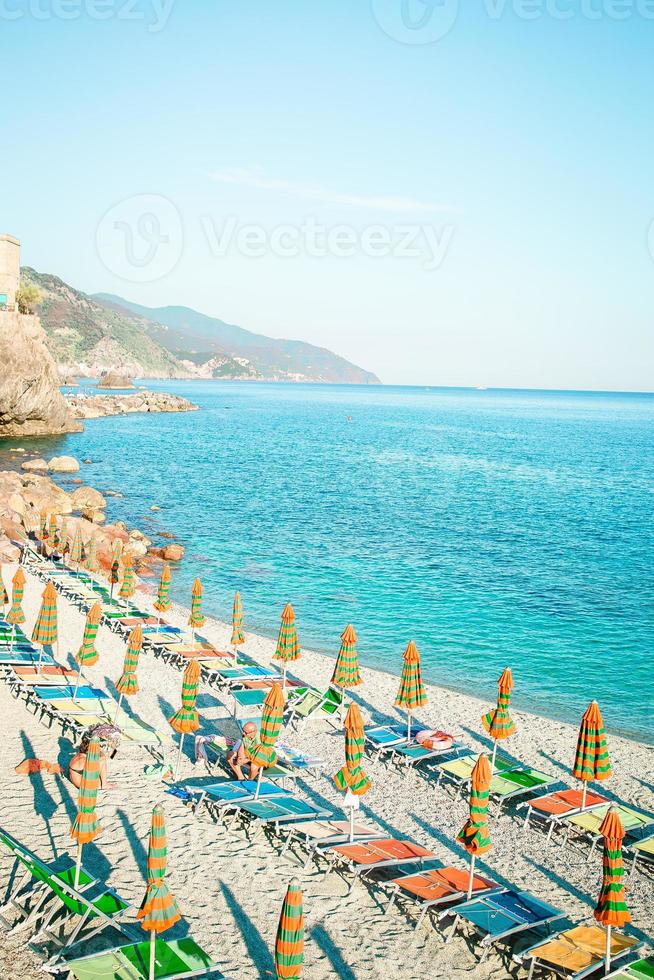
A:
x: 31, y: 403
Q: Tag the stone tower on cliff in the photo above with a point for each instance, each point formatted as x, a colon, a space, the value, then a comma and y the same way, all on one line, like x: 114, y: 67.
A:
x: 9, y: 271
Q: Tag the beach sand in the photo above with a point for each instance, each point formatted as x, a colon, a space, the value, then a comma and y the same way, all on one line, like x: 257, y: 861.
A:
x: 230, y: 891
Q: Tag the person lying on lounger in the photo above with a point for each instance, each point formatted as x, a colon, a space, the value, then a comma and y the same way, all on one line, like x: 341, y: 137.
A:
x: 238, y: 756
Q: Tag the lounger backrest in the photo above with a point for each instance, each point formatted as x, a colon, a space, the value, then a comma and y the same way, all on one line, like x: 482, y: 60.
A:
x: 308, y: 704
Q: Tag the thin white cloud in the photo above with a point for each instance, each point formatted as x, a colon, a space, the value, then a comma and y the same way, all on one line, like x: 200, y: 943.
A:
x: 324, y: 195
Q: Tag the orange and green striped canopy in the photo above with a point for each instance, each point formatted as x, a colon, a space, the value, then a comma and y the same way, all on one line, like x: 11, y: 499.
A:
x: 186, y: 719
x: 351, y: 776
x: 289, y: 944
x: 238, y: 636
x: 411, y: 693
x: 346, y: 671
x: 54, y: 531
x: 86, y: 827
x: 611, y: 907
x: 77, y: 547
x: 4, y: 598
x: 288, y: 644
x: 128, y: 585
x: 159, y: 910
x: 128, y: 683
x: 475, y: 835
x: 262, y: 753
x: 196, y: 619
x: 16, y: 616
x: 87, y: 654
x: 44, y: 534
x: 498, y: 723
x: 114, y: 571
x: 163, y: 603
x: 45, y: 627
x: 592, y: 757
x: 91, y: 562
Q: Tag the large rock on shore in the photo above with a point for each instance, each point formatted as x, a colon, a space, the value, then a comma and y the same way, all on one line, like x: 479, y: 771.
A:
x: 63, y: 464
x: 98, y: 406
x: 112, y: 379
x: 31, y: 403
x: 86, y: 498
x: 34, y: 466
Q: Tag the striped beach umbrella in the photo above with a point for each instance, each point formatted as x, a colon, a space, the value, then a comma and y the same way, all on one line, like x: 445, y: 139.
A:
x: 475, y: 835
x: 288, y: 644
x: 238, y: 635
x: 262, y: 753
x: 65, y: 543
x: 592, y: 756
x: 86, y: 826
x: 114, y: 575
x: 53, y: 533
x: 611, y: 907
x: 186, y: 720
x: 87, y: 655
x: 128, y: 585
x: 44, y: 533
x: 411, y: 693
x: 289, y: 943
x: 498, y: 723
x: 4, y: 598
x: 162, y: 602
x: 159, y: 910
x: 346, y: 670
x: 196, y: 620
x: 91, y: 562
x: 352, y: 779
x: 128, y: 684
x: 77, y: 547
x: 45, y: 627
x: 16, y: 616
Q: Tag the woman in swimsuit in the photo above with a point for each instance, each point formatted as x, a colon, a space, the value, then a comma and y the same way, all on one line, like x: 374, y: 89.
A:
x: 76, y: 767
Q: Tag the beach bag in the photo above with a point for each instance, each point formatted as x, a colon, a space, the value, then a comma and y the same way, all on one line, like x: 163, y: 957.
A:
x: 433, y: 739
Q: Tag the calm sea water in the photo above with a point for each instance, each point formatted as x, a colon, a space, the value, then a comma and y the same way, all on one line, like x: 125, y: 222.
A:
x: 493, y: 527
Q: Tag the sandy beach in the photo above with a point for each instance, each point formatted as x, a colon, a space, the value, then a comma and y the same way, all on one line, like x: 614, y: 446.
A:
x: 230, y: 891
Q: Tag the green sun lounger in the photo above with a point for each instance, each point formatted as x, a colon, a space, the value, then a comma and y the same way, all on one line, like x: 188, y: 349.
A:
x: 173, y: 960
x: 459, y: 771
x: 643, y: 851
x: 587, y: 825
x: 640, y: 970
x: 520, y: 782
x: 328, y: 704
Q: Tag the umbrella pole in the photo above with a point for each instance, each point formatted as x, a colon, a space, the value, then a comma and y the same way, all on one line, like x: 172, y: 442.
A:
x: 152, y: 948
x: 120, y: 701
x: 351, y: 825
x: 79, y: 676
x: 11, y: 641
x: 40, y: 659
x: 259, y: 777
x: 284, y: 676
x: 583, y: 794
x: 179, y: 753
x: 494, y: 754
x: 607, y: 962
x: 408, y: 726
x: 472, y: 875
x: 78, y: 865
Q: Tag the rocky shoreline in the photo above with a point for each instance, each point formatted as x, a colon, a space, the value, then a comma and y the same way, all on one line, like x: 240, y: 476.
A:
x: 100, y: 406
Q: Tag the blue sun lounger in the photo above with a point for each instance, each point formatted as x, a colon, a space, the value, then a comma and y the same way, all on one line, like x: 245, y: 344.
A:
x: 25, y: 657
x: 499, y: 916
x: 283, y: 809
x: 66, y: 691
x: 384, y: 738
x: 219, y: 796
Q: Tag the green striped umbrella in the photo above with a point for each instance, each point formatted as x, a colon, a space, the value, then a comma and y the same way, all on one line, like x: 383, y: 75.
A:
x: 162, y: 602
x: 65, y: 543
x: 114, y: 576
x: 288, y: 645
x: 128, y: 684
x: 498, y: 723
x: 238, y: 635
x: 91, y: 556
x: 44, y: 534
x: 592, y: 756
x: 196, y: 620
x: 352, y: 778
x: 289, y: 943
x: 86, y: 826
x: 159, y: 910
x: 77, y: 547
x: 475, y: 835
x: 411, y: 693
x: 346, y: 671
x: 45, y: 627
x: 16, y: 616
x: 54, y: 533
x: 612, y: 908
x: 262, y: 753
x: 186, y: 720
x: 87, y: 655
x: 128, y: 585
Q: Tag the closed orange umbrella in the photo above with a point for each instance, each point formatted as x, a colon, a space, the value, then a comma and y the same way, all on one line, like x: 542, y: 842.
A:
x: 288, y: 644
x: 289, y: 943
x: 346, y: 670
x: 196, y: 619
x: 592, y: 756
x: 498, y: 723
x: 411, y: 694
x: 186, y: 720
x: 45, y: 628
x: 86, y: 827
x: 238, y: 636
x: 159, y: 910
x: 352, y: 778
x: 475, y: 835
x: 262, y: 753
x: 612, y: 908
x: 87, y: 653
x: 16, y: 616
x: 128, y: 684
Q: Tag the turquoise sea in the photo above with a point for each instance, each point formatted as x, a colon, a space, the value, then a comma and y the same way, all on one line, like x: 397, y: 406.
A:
x: 493, y: 527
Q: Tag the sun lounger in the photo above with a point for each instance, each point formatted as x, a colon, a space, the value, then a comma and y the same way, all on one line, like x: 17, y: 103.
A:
x: 578, y: 952
x: 316, y: 834
x: 218, y: 797
x: 587, y: 824
x: 458, y: 771
x: 314, y: 704
x: 381, y: 739
x: 362, y: 860
x: 500, y: 915
x: 562, y: 803
x: 249, y: 698
x: 25, y: 657
x: 45, y: 897
x: 514, y: 783
x: 639, y: 970
x: 174, y: 960
x: 413, y: 754
x: 436, y: 888
x: 228, y: 676
x: 272, y: 813
x: 643, y: 851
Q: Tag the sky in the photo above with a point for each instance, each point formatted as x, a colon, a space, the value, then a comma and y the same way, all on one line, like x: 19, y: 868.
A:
x: 445, y: 193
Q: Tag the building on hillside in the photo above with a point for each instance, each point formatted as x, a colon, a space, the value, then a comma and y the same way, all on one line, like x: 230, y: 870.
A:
x: 9, y: 271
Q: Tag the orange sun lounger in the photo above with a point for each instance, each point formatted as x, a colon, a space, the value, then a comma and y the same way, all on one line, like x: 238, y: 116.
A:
x: 562, y: 803
x: 367, y: 858
x: 437, y: 887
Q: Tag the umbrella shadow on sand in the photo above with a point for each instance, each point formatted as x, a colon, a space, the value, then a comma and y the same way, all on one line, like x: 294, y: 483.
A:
x: 254, y: 941
x: 125, y: 704
x: 488, y: 743
x: 461, y: 855
x: 321, y: 938
x: 44, y: 803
